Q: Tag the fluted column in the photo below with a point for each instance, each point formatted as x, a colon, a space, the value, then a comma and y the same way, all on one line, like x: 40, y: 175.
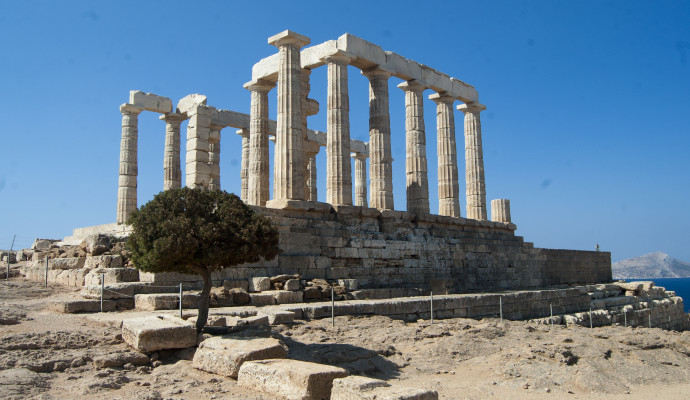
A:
x: 447, y: 154
x: 289, y: 165
x: 474, y: 161
x: 172, y: 175
x: 127, y: 183
x: 417, y: 179
x: 309, y: 107
x: 214, y: 157
x: 360, y: 180
x: 500, y: 210
x: 197, y: 167
x: 311, y: 182
x: 339, y: 172
x: 244, y: 166
x: 258, y: 168
x: 380, y: 158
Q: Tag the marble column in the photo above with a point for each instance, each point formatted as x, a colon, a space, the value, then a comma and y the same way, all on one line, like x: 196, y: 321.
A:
x: 258, y: 190
x: 127, y: 183
x: 244, y: 166
x: 360, y: 180
x: 447, y: 154
x: 417, y: 179
x: 309, y: 107
x: 500, y: 210
x: 339, y: 172
x: 214, y: 157
x: 474, y: 161
x: 289, y: 165
x: 311, y: 182
x: 198, y: 170
x: 172, y: 175
x: 380, y: 158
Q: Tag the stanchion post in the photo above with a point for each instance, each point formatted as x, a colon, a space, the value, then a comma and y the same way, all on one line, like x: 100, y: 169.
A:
x: 650, y: 318
x: 551, y: 308
x: 590, y: 318
x: 8, y: 258
x: 432, y: 306
x: 332, y: 307
x: 180, y: 299
x: 625, y: 319
x: 102, y: 289
x: 500, y: 307
x: 46, y: 271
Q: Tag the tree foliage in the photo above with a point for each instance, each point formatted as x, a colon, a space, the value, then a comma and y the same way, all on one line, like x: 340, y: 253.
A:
x: 198, y: 231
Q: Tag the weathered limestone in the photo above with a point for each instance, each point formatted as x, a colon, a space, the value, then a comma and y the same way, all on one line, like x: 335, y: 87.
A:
x: 500, y: 210
x: 172, y: 175
x: 148, y: 334
x: 198, y: 170
x: 339, y: 174
x: 360, y: 179
x: 151, y: 302
x: 448, y: 185
x: 214, y: 157
x: 244, y: 167
x: 150, y: 102
x: 417, y: 181
x: 224, y: 355
x: 474, y: 161
x: 289, y: 162
x: 311, y: 180
x: 363, y: 388
x: 290, y: 379
x: 127, y: 186
x: 380, y: 158
x: 257, y: 176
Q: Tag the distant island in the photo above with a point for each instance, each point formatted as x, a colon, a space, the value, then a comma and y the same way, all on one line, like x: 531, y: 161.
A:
x: 650, y: 266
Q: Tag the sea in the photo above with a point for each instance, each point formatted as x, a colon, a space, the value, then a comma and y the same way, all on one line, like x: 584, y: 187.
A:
x: 680, y: 285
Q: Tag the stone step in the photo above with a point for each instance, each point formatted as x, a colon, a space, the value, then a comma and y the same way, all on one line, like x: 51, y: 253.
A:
x: 148, y: 334
x: 224, y: 355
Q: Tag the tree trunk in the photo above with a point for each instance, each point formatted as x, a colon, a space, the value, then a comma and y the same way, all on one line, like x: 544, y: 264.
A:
x: 204, y: 300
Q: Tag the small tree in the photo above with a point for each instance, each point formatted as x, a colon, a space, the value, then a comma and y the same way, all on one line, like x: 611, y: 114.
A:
x: 198, y: 231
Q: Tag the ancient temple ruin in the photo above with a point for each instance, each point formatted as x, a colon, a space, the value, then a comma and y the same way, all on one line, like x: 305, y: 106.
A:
x: 358, y: 236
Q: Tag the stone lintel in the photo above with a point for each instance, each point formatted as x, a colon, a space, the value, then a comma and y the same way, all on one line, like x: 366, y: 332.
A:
x: 471, y: 107
x: 244, y: 132
x: 377, y: 71
x: 289, y: 37
x: 150, y: 101
x: 127, y: 108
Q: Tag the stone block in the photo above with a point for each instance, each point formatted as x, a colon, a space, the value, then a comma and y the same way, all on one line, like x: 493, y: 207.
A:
x: 151, y: 302
x: 259, y: 284
x: 287, y: 297
x: 262, y: 299
x: 363, y: 388
x: 224, y: 355
x: 147, y: 334
x: 67, y: 263
x: 82, y: 306
x: 236, y: 284
x: 189, y: 103
x: 290, y: 379
x: 105, y: 261
x: 150, y: 101
x: 349, y: 284
x: 277, y: 317
x: 292, y: 285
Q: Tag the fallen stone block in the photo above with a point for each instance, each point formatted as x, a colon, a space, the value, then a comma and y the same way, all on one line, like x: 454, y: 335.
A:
x: 147, y: 334
x: 117, y: 360
x: 259, y: 284
x: 277, y: 317
x: 262, y: 299
x: 291, y: 379
x: 224, y: 355
x: 67, y: 263
x: 82, y: 306
x: 287, y: 297
x: 236, y: 284
x: 363, y: 388
x: 292, y: 285
x: 254, y: 320
x: 151, y: 302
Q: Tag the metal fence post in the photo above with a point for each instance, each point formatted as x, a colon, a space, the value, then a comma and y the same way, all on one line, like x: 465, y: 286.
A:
x: 102, y: 289
x: 180, y: 299
x: 432, y: 306
x: 332, y: 306
x: 46, y: 271
x: 551, y: 308
x: 590, y: 318
x: 8, y: 258
x: 500, y: 307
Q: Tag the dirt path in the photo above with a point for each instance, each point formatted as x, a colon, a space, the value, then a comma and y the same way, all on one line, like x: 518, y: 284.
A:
x: 56, y: 356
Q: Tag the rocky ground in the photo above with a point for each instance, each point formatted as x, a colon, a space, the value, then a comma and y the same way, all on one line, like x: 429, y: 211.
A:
x: 48, y: 355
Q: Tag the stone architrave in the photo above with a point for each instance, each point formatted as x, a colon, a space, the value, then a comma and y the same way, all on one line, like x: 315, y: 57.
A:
x: 244, y: 166
x: 172, y: 175
x: 258, y: 170
x: 448, y: 185
x: 339, y: 173
x: 415, y: 160
x: 360, y: 179
x: 380, y: 158
x: 127, y: 185
x: 474, y: 161
x: 289, y: 164
x: 214, y: 157
x: 500, y: 210
x: 198, y: 170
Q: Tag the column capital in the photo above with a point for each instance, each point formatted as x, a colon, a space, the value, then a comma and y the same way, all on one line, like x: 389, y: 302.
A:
x: 244, y: 132
x: 359, y: 156
x: 173, y: 117
x: 340, y: 57
x: 131, y: 109
x: 473, y: 108
x: 377, y: 72
x: 412, y: 86
x: 442, y: 97
x: 288, y: 37
x: 259, y: 85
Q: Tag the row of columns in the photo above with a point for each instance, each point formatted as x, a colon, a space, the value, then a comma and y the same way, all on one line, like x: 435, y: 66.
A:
x: 292, y: 169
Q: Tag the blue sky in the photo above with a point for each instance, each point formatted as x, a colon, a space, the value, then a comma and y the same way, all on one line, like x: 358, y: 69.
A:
x: 587, y: 130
